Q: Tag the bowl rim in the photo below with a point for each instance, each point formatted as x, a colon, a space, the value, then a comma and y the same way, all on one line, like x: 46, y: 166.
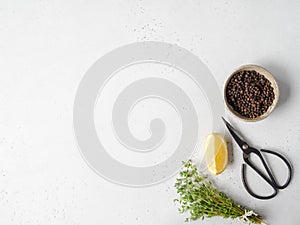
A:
x: 268, y: 76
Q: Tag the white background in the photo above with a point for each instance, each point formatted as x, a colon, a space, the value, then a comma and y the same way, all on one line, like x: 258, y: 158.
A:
x: 47, y: 46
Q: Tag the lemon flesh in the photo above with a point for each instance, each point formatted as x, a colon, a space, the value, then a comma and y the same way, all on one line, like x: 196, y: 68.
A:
x: 216, y: 153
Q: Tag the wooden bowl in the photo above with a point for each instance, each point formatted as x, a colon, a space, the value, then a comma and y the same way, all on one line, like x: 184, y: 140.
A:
x: 268, y: 76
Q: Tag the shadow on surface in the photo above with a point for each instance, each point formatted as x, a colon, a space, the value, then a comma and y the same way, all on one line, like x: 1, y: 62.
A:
x: 281, y: 76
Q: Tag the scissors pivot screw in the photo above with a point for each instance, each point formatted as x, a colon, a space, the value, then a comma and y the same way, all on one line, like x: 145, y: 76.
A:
x: 245, y: 146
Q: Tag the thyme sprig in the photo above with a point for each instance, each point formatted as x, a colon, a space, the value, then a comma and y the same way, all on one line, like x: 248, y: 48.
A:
x: 201, y: 199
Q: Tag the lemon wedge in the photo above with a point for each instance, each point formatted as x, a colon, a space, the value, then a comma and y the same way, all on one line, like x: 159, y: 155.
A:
x: 216, y: 153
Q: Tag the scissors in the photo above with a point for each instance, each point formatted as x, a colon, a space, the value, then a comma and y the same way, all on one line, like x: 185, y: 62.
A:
x: 269, y: 178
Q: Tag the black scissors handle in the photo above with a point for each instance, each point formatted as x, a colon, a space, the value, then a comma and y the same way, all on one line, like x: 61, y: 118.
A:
x: 270, y: 178
x: 248, y: 189
x: 289, y: 166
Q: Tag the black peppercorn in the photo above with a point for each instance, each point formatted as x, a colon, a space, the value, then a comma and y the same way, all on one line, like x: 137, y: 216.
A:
x: 249, y: 93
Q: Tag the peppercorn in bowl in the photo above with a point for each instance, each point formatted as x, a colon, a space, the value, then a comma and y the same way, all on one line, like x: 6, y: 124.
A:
x: 251, y: 93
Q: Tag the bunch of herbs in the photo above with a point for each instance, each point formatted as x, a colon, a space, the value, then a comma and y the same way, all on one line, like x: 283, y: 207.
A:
x: 201, y: 199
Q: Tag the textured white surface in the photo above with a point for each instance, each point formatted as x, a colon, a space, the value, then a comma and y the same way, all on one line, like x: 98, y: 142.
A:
x: 47, y: 46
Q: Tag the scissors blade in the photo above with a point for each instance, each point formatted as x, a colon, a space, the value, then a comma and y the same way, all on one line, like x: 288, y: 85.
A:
x: 236, y: 136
